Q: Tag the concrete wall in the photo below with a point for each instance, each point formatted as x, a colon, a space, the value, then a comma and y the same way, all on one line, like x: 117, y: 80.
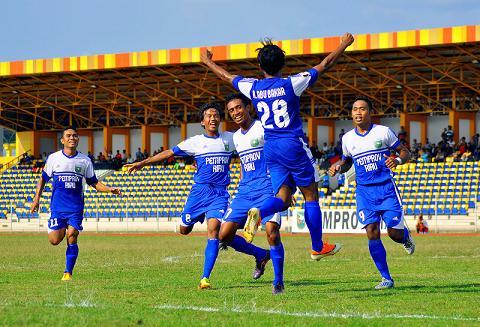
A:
x: 118, y: 143
x: 135, y: 141
x: 97, y: 142
x: 156, y: 141
x: 82, y: 145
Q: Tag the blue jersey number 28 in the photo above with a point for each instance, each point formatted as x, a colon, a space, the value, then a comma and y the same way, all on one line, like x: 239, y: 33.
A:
x: 280, y: 114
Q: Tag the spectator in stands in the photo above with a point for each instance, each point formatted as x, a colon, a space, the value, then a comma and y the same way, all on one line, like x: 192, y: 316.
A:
x: 145, y: 154
x: 130, y: 159
x: 422, y: 225
x: 462, y: 146
x: 449, y: 133
x: 92, y: 158
x: 466, y: 156
x: 474, y: 141
x: 402, y: 134
x: 124, y: 156
x: 101, y: 157
x: 118, y: 156
x: 444, y: 135
x: 109, y: 156
x: 139, y: 155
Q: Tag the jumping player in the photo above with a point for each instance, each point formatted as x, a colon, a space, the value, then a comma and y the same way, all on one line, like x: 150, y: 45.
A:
x: 209, y: 196
x: 368, y: 148
x: 68, y: 168
x: 277, y: 102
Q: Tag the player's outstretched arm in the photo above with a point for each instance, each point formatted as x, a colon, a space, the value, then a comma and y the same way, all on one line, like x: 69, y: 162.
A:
x: 206, y: 58
x: 38, y: 193
x: 403, y: 157
x: 149, y: 161
x: 331, y: 59
x: 341, y: 167
x: 100, y: 187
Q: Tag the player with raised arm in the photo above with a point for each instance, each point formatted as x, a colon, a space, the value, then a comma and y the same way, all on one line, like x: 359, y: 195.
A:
x: 208, y: 197
x: 288, y: 158
x: 368, y: 147
x: 254, y: 188
x: 68, y: 168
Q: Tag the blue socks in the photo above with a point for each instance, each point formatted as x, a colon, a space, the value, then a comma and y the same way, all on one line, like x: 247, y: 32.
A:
x: 71, y: 257
x: 270, y: 206
x: 277, y: 254
x: 313, y: 219
x: 240, y: 245
x: 406, y: 233
x: 211, y: 253
x: 379, y: 256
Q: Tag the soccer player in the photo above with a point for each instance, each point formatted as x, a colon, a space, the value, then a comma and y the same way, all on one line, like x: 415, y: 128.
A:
x: 254, y: 188
x: 68, y: 168
x: 368, y: 147
x: 208, y: 197
x: 290, y: 162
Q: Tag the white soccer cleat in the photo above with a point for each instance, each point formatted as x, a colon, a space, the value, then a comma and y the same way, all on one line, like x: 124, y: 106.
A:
x: 384, y: 284
x: 409, y: 244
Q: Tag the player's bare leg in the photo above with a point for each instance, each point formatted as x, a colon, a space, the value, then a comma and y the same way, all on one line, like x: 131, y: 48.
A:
x: 313, y: 219
x: 255, y: 215
x: 55, y: 237
x: 185, y: 230
x: 404, y: 237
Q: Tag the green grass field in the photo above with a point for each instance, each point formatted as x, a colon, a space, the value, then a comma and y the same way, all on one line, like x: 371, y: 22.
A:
x: 152, y: 280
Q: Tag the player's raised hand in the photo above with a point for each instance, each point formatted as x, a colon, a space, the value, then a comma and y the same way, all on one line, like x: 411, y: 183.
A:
x: 34, y: 206
x: 334, y: 169
x: 347, y: 39
x: 206, y: 56
x: 131, y: 168
x: 390, y: 162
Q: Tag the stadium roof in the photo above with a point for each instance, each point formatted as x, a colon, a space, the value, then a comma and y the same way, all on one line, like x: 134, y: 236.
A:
x: 417, y: 71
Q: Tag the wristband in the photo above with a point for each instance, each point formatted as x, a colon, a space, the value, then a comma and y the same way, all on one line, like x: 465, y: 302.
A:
x: 399, y: 160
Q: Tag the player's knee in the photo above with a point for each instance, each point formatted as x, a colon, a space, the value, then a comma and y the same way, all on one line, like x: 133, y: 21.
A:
x: 54, y: 241
x: 273, y: 238
x: 373, y: 233
x: 184, y: 230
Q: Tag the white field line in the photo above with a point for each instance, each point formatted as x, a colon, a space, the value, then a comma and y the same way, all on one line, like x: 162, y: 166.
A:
x: 307, y: 314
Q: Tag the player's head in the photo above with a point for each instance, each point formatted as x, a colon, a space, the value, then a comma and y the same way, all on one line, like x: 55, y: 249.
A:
x: 270, y: 57
x: 210, y: 115
x: 69, y: 137
x: 361, y: 108
x: 238, y: 107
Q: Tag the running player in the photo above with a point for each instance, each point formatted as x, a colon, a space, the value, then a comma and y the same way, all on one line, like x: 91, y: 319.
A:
x: 208, y: 197
x: 290, y: 162
x: 368, y: 148
x: 68, y: 168
x: 254, y: 188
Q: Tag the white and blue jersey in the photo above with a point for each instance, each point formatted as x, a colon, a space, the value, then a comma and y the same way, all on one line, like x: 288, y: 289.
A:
x: 255, y: 186
x: 208, y: 196
x: 277, y: 103
x: 67, y: 174
x: 376, y: 193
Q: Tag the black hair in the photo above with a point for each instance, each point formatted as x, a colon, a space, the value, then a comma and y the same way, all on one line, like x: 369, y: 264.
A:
x: 367, y: 100
x: 270, y: 57
x: 69, y: 127
x: 210, y: 105
x: 239, y: 96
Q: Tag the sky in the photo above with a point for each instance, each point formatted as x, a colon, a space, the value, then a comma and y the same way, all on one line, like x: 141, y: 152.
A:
x: 32, y: 29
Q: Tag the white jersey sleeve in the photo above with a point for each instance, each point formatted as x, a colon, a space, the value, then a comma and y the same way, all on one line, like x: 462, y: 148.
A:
x: 244, y: 85
x: 391, y: 139
x: 301, y: 81
x: 186, y: 148
x: 47, y: 172
x: 345, y: 153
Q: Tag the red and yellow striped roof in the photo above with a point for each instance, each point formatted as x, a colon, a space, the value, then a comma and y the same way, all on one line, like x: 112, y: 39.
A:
x: 388, y: 40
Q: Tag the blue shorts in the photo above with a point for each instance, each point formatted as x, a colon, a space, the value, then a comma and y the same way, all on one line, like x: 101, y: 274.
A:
x: 378, y: 202
x: 238, y: 210
x: 203, y: 201
x: 290, y: 163
x: 59, y: 220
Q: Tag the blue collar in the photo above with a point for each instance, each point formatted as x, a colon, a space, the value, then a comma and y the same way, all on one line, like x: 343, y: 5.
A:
x: 212, y: 137
x: 368, y: 131
x: 249, y: 128
x: 70, y: 157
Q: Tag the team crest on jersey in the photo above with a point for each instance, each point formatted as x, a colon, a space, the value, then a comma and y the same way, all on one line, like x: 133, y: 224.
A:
x: 78, y: 169
x: 226, y: 145
x: 378, y: 144
x: 254, y: 142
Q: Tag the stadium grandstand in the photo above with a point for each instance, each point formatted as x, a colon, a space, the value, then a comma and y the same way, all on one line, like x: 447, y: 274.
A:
x: 135, y: 104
